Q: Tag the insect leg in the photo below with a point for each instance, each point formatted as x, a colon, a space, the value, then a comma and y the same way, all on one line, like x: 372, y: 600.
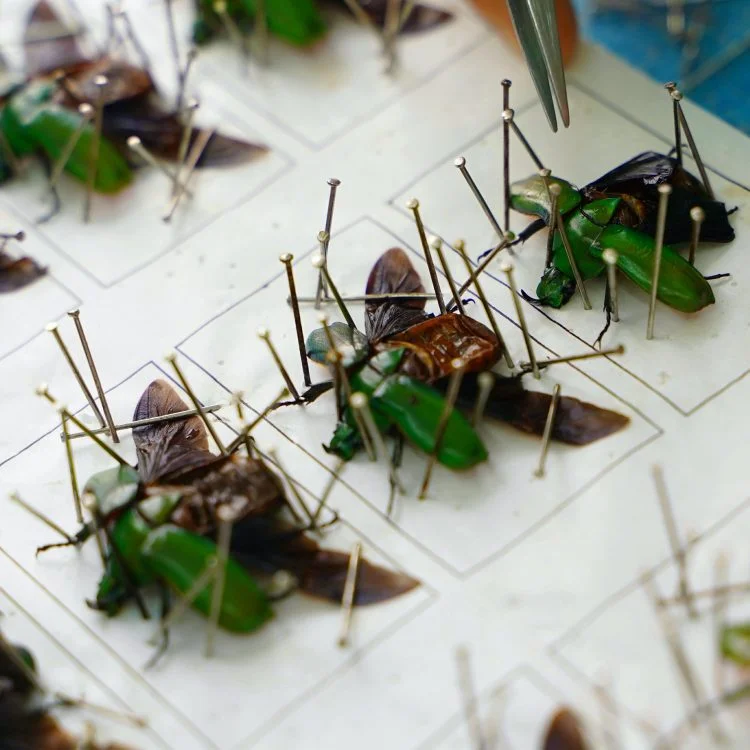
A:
x: 166, y: 606
x: 608, y: 311
x: 56, y: 202
x: 396, y: 459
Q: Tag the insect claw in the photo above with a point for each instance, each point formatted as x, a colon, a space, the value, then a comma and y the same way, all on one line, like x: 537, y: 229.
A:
x: 56, y: 206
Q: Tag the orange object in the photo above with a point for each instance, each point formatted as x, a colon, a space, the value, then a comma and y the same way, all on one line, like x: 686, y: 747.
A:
x: 497, y: 13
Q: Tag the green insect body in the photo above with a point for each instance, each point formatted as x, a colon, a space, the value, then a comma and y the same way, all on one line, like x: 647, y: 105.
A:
x: 298, y: 22
x: 411, y: 407
x: 31, y: 122
x: 152, y: 550
x: 531, y: 196
x: 735, y: 644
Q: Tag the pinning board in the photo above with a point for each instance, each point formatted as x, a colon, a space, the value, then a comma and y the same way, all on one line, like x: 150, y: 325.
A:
x: 538, y: 578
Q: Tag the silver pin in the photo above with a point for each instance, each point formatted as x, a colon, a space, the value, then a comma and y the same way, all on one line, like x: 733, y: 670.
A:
x: 349, y: 594
x: 136, y: 146
x: 485, y: 380
x: 547, y: 435
x: 437, y: 245
x: 16, y: 498
x: 507, y: 269
x: 698, y: 216
x: 610, y: 257
x: 469, y: 699
x: 174, y: 417
x: 554, y: 196
x: 183, y: 78
x: 325, y: 239
x: 89, y: 502
x: 171, y: 358
x: 366, y: 298
x: 459, y: 368
x: 287, y: 259
x: 101, y: 83
x: 670, y: 87
x: 677, y: 96
x: 506, y: 84
x: 226, y: 519
x: 76, y: 315
x: 187, y: 169
x: 460, y: 163
x: 53, y: 329
x: 485, y: 305
x: 661, y: 218
x: 555, y: 191
x: 319, y: 262
x: 187, y: 133
x: 87, y: 114
x: 678, y: 551
x: 460, y: 246
x: 265, y: 335
x: 526, y: 366
x: 413, y: 206
x: 71, y: 467
x: 508, y: 117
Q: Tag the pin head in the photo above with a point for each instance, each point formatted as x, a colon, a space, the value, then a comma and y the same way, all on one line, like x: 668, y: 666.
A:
x: 555, y: 189
x: 506, y: 83
x: 323, y: 236
x: 74, y: 313
x: 458, y: 363
x: 510, y: 236
x: 85, y: 109
x: 676, y: 94
x: 435, y: 242
x: 318, y: 261
x: 134, y: 142
x: 51, y: 327
x: 665, y: 189
x: 286, y: 258
x: 609, y: 256
x: 485, y: 380
x: 263, y: 333
x: 171, y: 356
x: 334, y: 181
x: 88, y: 500
x: 323, y: 319
x: 358, y: 401
x: 101, y: 81
x: 193, y: 104
x: 20, y: 236
x: 545, y: 172
x: 460, y: 162
x: 412, y: 203
x: 506, y: 266
x: 697, y: 214
x: 670, y: 85
x: 220, y: 6
x: 42, y: 389
x: 508, y: 115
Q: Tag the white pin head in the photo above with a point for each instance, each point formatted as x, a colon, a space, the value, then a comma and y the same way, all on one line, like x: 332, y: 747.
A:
x: 460, y: 162
x: 555, y: 189
x: 508, y: 115
x: 412, y: 203
x: 665, y: 189
x: 609, y: 256
x: 697, y: 214
x: 506, y: 266
x: 318, y: 261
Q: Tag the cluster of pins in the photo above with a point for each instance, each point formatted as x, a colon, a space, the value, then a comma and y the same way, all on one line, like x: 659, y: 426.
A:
x: 702, y: 710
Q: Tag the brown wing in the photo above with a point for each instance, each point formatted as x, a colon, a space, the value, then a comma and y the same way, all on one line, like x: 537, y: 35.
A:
x: 393, y: 273
x: 166, y: 449
x: 124, y: 82
x: 564, y: 733
x: 18, y: 273
x: 48, y: 44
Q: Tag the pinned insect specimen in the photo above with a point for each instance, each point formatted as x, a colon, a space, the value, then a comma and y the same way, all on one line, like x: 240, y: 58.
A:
x: 301, y: 22
x: 26, y: 723
x: 163, y: 521
x: 405, y: 359
x: 16, y: 273
x: 620, y: 211
x: 93, y: 117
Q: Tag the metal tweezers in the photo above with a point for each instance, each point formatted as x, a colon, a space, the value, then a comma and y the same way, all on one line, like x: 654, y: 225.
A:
x: 535, y: 22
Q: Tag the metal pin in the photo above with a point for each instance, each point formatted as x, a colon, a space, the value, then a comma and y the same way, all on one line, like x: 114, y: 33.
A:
x: 466, y: 686
x: 460, y: 246
x: 319, y: 262
x: 16, y: 498
x: 554, y: 196
x: 459, y: 368
x: 89, y: 502
x: 610, y: 257
x: 361, y: 405
x: 76, y: 315
x: 437, y: 245
x: 362, y: 426
x: 187, y: 132
x: 526, y: 366
x: 294, y: 490
x: 508, y: 117
x: 71, y: 467
x: 661, y: 217
x: 175, y: 416
x: 101, y: 83
x: 678, y: 551
x: 173, y: 40
x: 265, y: 335
x: 324, y: 240
x: 242, y: 438
x: 726, y: 590
x: 260, y: 32
x: 287, y: 259
x: 413, y: 205
x: 486, y: 305
x: 53, y: 329
x: 390, y: 32
x: 342, y: 388
x: 485, y: 381
x: 90, y: 434
x: 698, y: 216
x: 359, y: 13
x: 547, y: 435
x: 172, y: 359
x: 183, y: 77
x: 87, y: 113
x: 460, y: 163
x: 136, y: 146
x: 507, y: 269
x: 335, y: 473
x: 670, y: 87
x: 350, y: 590
x: 226, y: 518
x: 677, y: 96
x: 233, y: 31
x: 186, y: 172
x: 406, y: 11
x: 366, y: 298
x: 506, y: 84
x: 130, y: 31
